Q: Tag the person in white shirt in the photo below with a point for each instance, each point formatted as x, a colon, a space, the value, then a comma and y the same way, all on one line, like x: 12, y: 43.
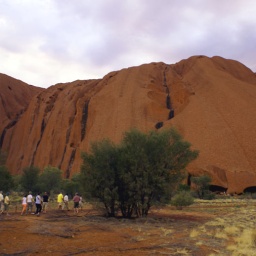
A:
x: 38, y: 204
x: 6, y: 203
x: 65, y: 202
x: 81, y: 202
x: 24, y: 204
x: 29, y: 202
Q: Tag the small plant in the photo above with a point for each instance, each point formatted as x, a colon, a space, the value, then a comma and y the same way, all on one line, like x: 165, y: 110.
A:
x: 183, y: 187
x: 201, y: 186
x: 182, y: 198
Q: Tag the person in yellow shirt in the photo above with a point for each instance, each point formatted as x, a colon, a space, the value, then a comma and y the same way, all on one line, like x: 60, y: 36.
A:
x: 60, y: 200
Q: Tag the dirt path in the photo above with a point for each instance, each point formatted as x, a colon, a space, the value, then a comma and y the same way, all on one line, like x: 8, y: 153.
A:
x: 192, y: 231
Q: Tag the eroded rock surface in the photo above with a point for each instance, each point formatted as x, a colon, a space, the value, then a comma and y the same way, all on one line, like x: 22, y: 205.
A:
x: 211, y: 101
x: 15, y: 97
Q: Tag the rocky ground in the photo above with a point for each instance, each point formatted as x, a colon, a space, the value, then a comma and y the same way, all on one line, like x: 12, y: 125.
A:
x: 219, y: 227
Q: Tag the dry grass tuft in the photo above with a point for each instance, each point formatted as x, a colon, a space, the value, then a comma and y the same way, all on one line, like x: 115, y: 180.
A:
x: 247, y: 238
x: 232, y: 230
x: 245, y: 243
x: 221, y: 235
x: 166, y: 232
x: 194, y: 233
x: 182, y: 251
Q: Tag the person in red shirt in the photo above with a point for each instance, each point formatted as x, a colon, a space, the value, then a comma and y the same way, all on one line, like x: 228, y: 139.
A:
x: 76, y: 200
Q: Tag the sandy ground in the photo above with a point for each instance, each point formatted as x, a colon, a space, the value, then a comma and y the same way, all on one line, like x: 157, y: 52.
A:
x: 198, y: 230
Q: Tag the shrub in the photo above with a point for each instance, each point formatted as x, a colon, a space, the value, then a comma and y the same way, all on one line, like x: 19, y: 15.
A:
x: 183, y: 187
x: 50, y: 179
x: 6, y: 179
x: 182, y: 198
x: 73, y: 185
x: 201, y: 186
x: 142, y: 169
x: 29, y: 179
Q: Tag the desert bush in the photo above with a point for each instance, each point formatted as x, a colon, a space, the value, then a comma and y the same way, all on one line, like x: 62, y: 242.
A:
x: 17, y: 183
x: 29, y: 179
x: 182, y: 198
x: 50, y: 179
x: 3, y: 156
x: 183, y: 187
x: 201, y: 187
x: 209, y: 195
x: 6, y: 179
x: 142, y: 169
x: 73, y: 185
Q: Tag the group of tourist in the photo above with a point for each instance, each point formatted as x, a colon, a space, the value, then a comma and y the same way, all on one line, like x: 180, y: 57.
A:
x: 4, y: 203
x: 63, y: 202
x: 41, y: 203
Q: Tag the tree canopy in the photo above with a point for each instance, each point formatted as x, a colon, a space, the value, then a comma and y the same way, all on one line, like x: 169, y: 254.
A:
x: 3, y: 156
x: 50, y: 179
x: 6, y: 179
x: 142, y: 169
x: 29, y: 178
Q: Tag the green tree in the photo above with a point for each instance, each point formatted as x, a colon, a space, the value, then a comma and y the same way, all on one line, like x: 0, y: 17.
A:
x: 142, y: 169
x: 6, y: 180
x: 152, y: 166
x: 29, y: 179
x: 73, y: 185
x: 50, y: 179
x: 201, y: 186
x: 17, y: 183
x: 3, y: 156
x: 99, y: 173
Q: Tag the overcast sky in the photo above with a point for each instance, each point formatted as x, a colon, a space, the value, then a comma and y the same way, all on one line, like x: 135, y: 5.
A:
x: 44, y: 42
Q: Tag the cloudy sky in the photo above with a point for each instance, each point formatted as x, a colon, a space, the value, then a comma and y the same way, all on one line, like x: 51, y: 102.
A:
x: 44, y: 42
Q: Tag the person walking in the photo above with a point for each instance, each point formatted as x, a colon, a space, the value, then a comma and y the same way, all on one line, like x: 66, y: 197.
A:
x: 1, y: 202
x: 60, y: 201
x: 45, y: 201
x: 29, y: 202
x: 7, y: 203
x: 81, y: 203
x: 76, y: 200
x: 38, y: 204
x: 24, y: 204
x: 65, y: 202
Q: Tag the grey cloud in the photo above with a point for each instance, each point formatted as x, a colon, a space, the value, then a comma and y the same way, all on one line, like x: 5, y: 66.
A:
x: 110, y: 34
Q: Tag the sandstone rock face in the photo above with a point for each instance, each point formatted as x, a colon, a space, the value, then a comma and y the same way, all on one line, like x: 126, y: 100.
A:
x: 219, y: 120
x: 15, y: 97
x: 211, y: 101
